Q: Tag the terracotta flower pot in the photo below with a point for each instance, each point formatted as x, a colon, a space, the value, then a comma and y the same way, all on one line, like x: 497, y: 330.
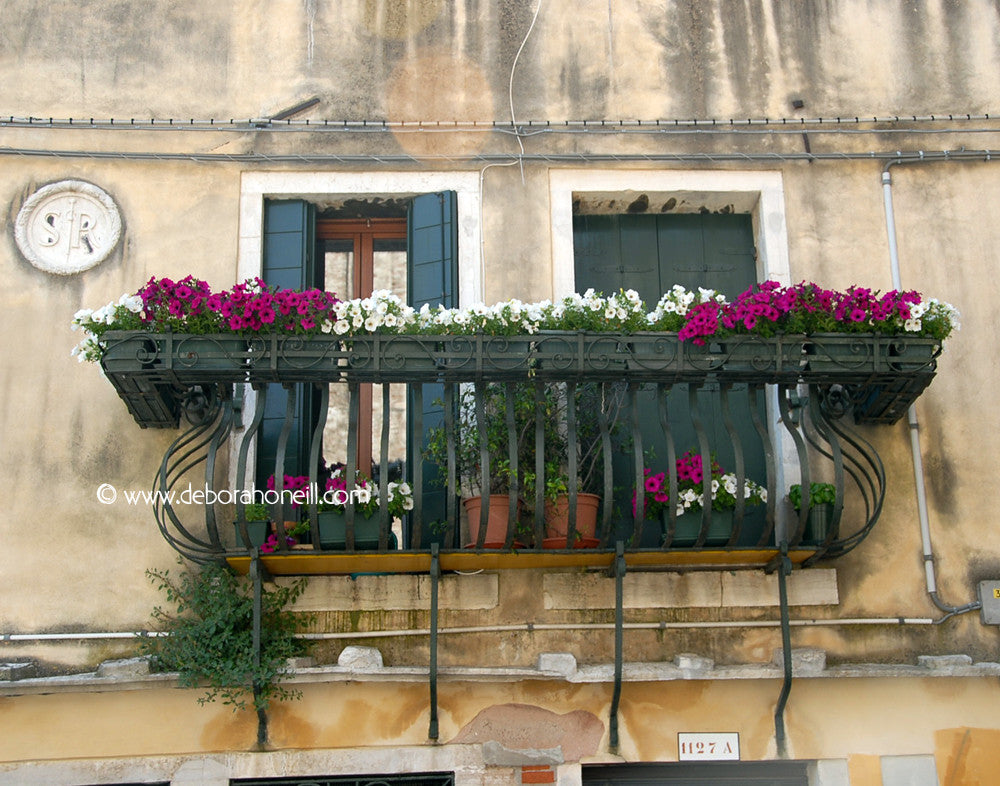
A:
x: 557, y: 516
x: 496, y: 522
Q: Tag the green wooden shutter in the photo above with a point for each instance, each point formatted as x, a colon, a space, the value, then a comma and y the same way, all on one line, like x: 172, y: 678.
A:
x: 288, y: 261
x: 432, y: 279
x: 650, y: 253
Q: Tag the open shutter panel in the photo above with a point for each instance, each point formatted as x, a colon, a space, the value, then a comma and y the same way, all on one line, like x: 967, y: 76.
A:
x: 432, y: 279
x: 288, y: 261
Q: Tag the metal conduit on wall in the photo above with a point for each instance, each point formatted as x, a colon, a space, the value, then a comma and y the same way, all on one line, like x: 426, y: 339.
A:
x: 914, y: 426
x: 523, y: 627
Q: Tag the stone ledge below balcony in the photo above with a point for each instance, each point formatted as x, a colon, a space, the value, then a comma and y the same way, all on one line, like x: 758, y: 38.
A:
x: 562, y: 668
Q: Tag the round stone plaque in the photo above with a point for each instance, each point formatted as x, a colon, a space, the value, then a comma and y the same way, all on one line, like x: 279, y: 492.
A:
x: 68, y: 227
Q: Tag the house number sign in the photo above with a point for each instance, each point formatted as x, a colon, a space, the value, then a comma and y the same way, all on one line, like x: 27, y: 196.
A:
x: 708, y: 746
x: 67, y: 227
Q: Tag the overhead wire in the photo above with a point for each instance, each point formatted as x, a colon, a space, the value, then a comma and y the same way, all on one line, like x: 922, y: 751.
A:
x: 510, y: 83
x: 498, y: 158
x: 760, y: 125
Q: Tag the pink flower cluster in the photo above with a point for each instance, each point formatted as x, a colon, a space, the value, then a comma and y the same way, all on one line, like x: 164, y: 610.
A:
x: 270, y: 545
x: 769, y: 308
x: 290, y: 484
x: 690, y: 475
x: 190, y: 305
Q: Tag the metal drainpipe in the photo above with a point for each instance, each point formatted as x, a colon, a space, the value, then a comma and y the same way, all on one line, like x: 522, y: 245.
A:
x: 911, y: 415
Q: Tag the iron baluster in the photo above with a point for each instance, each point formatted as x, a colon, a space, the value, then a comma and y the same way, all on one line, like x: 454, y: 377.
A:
x: 314, y: 456
x: 249, y: 435
x: 740, y: 467
x: 706, y: 464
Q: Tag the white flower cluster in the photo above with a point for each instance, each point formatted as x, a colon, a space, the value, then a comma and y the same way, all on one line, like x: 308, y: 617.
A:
x: 679, y: 300
x: 689, y: 499
x: 94, y: 322
x: 623, y: 303
x: 381, y: 310
x: 404, y: 492
x: 509, y: 316
x: 931, y: 309
x: 385, y: 312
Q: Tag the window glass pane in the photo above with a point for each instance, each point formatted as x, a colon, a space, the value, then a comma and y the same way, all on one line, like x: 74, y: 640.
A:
x: 338, y: 267
x: 389, y: 272
x: 338, y: 264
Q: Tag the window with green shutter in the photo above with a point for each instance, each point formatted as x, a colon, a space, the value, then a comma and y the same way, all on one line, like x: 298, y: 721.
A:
x: 302, y: 250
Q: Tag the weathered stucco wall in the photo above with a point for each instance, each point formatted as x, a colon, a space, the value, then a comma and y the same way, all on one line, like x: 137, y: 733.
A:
x: 73, y: 564
x: 654, y: 58
x: 943, y: 719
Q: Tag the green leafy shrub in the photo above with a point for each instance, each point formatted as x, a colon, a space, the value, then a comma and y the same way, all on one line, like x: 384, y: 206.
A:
x: 211, y: 636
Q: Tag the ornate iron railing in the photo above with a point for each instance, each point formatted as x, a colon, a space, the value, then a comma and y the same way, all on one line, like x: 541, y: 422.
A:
x: 811, y: 387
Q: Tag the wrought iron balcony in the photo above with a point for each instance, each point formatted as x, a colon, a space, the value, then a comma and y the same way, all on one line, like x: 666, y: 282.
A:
x: 790, y: 400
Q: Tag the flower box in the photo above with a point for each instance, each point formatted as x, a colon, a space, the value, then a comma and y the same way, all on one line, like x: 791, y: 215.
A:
x: 780, y: 356
x: 256, y: 534
x: 689, y: 526
x: 840, y: 352
x: 132, y: 350
x: 333, y: 530
x: 281, y: 357
x: 208, y: 353
x: 910, y: 354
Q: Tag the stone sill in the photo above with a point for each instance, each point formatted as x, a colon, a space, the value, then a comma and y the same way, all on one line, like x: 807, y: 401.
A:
x: 365, y: 666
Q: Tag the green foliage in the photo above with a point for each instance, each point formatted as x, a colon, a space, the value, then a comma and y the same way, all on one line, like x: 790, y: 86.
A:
x: 467, y: 438
x: 819, y: 494
x: 549, y: 400
x: 256, y: 511
x: 211, y: 636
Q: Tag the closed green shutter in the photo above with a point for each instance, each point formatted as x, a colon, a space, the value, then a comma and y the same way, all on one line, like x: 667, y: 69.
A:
x: 432, y: 253
x: 651, y: 253
x: 289, y: 262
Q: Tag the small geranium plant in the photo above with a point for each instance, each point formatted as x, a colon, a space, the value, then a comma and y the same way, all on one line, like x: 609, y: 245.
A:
x: 690, y: 489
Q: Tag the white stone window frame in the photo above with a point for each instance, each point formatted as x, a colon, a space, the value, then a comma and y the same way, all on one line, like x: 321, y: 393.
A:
x: 757, y: 193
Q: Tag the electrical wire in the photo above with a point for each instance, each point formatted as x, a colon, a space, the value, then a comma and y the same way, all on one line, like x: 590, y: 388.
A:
x: 961, y: 154
x: 510, y: 84
x: 794, y: 125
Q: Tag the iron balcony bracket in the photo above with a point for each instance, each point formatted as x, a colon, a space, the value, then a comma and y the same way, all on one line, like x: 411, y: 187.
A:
x: 432, y: 731
x: 784, y: 569
x: 619, y: 573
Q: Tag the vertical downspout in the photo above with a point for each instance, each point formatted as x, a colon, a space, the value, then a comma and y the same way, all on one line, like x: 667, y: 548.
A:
x: 911, y: 417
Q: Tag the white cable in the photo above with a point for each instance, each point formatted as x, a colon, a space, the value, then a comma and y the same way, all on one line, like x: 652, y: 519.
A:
x: 510, y: 85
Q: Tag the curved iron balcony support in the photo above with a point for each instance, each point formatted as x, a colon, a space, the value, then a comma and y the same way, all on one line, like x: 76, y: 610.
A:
x: 817, y: 387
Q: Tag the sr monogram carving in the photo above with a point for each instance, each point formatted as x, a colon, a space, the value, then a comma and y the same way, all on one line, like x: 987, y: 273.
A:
x: 68, y: 227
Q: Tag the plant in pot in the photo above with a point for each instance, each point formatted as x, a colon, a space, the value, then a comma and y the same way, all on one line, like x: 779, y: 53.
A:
x: 257, y: 519
x: 592, y: 403
x: 689, y: 505
x: 557, y: 511
x: 365, y: 499
x: 822, y: 498
x: 503, y: 482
